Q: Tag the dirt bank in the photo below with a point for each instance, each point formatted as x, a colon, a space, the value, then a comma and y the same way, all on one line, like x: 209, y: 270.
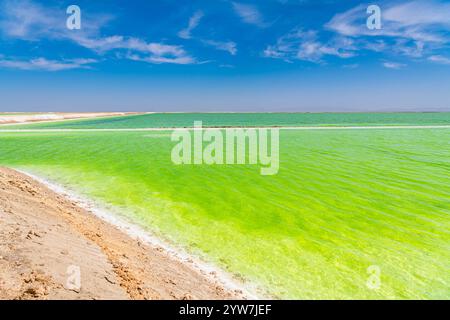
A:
x: 45, y: 239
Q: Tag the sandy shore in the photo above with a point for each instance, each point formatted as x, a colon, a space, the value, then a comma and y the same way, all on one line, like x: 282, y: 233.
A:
x: 44, y: 237
x: 56, y: 116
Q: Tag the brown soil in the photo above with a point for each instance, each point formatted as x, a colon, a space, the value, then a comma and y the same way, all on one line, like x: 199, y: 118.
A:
x: 43, y: 234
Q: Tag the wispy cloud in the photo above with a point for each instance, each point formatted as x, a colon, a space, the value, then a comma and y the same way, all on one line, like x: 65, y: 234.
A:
x: 249, y: 14
x: 228, y: 46
x: 25, y: 20
x: 414, y: 28
x: 439, y: 59
x: 154, y: 51
x: 305, y: 45
x: 393, y: 65
x: 413, y: 49
x: 30, y: 21
x: 194, y: 21
x: 155, y: 59
x: 416, y: 20
x: 377, y: 45
x: 46, y: 65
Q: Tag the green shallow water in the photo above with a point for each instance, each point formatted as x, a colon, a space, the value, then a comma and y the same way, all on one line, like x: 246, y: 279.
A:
x: 342, y: 201
x: 176, y: 120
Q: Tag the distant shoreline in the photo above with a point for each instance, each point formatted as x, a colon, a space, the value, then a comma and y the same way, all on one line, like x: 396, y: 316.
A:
x: 225, y: 112
x: 11, y: 118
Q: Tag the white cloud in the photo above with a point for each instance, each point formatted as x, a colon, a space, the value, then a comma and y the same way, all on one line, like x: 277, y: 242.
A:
x: 30, y: 21
x: 152, y: 52
x: 193, y: 23
x: 249, y: 14
x: 439, y: 59
x: 228, y: 46
x: 415, y: 20
x: 46, y: 65
x: 393, y: 65
x: 414, y: 49
x: 413, y: 29
x: 375, y: 45
x: 305, y: 45
x: 419, y: 13
x: 155, y: 52
x: 418, y: 21
x: 162, y: 59
x: 119, y: 42
x: 25, y: 20
x: 344, y: 23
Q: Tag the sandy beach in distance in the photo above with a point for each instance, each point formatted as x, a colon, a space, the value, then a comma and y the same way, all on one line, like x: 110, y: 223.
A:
x: 43, y: 234
x: 20, y: 118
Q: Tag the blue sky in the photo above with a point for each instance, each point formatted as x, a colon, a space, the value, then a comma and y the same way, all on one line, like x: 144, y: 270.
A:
x: 220, y: 55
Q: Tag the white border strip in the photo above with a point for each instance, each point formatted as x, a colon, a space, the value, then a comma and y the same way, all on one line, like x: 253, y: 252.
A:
x: 223, y: 128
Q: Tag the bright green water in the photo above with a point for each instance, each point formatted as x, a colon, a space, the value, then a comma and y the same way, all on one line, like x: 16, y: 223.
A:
x: 176, y: 120
x: 342, y: 201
